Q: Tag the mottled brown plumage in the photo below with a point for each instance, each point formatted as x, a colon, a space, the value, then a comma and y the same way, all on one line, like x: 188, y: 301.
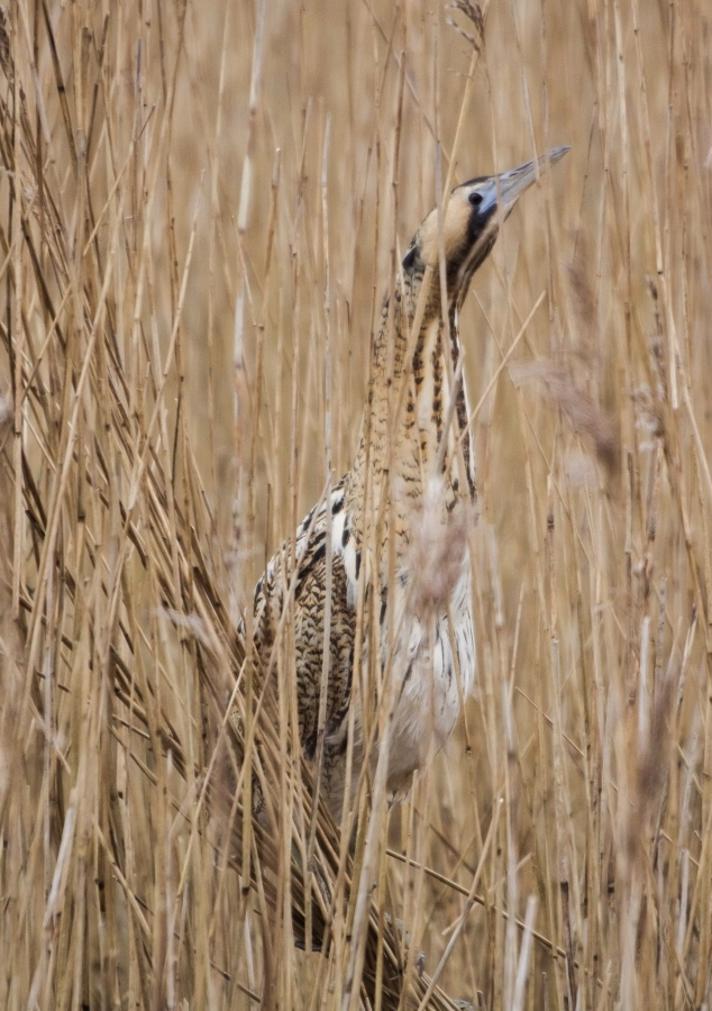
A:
x: 411, y: 487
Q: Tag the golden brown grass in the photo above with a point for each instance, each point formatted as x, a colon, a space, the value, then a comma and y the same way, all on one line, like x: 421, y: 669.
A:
x: 202, y: 205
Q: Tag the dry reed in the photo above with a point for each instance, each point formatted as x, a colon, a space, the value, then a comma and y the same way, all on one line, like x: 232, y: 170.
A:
x: 202, y: 207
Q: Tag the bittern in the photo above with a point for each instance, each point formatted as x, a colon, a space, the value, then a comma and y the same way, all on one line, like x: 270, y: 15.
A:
x: 415, y: 436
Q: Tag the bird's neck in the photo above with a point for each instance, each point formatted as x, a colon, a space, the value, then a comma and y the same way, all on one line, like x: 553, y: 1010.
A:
x: 416, y: 420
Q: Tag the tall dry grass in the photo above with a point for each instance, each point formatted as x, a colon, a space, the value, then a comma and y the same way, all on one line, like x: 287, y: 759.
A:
x: 202, y: 207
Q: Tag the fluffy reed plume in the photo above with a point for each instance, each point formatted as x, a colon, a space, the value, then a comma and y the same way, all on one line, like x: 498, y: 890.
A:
x: 581, y: 411
x: 439, y: 542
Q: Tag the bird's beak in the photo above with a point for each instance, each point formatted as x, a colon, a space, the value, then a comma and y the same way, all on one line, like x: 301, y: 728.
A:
x: 502, y: 191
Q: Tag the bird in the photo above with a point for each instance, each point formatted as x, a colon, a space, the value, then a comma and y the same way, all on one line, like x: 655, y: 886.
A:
x: 393, y: 530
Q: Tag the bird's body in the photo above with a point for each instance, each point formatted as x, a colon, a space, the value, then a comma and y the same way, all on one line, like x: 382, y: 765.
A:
x: 392, y: 532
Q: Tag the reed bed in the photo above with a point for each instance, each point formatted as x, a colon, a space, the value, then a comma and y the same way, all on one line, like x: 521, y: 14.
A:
x: 202, y: 208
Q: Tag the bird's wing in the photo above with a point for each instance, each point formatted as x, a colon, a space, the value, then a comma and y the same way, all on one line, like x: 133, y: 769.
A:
x: 299, y: 571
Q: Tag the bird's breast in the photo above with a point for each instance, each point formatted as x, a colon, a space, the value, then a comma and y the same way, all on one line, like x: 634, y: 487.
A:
x: 433, y: 666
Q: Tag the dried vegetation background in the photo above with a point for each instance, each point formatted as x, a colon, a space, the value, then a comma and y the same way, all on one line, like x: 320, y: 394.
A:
x: 202, y: 205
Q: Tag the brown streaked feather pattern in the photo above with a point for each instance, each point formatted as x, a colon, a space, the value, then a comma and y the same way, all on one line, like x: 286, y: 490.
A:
x: 397, y: 460
x: 406, y: 498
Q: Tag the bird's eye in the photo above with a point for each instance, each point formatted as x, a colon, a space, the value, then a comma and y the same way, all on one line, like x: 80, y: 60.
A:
x: 409, y: 258
x: 475, y: 198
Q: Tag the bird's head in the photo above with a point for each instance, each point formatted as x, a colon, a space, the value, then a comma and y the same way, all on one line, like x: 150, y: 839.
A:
x: 466, y: 229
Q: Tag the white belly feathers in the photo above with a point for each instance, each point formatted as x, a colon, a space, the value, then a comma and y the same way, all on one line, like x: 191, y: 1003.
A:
x: 435, y: 665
